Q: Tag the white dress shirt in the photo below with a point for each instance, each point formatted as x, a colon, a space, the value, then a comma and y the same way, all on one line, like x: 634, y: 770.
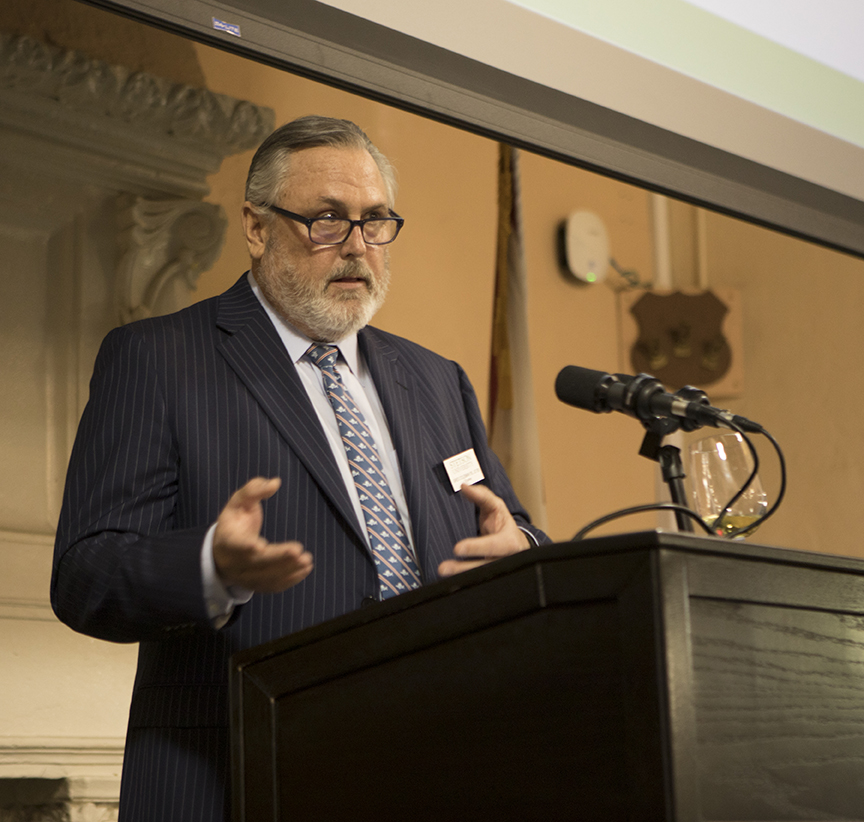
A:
x: 358, y: 381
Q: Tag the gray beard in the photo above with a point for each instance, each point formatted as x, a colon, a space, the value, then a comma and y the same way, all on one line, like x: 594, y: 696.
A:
x: 323, y: 314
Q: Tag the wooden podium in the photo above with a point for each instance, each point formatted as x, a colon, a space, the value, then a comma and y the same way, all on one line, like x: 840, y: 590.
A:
x: 646, y: 676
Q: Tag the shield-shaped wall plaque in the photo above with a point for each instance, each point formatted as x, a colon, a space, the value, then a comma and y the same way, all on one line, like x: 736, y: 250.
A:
x: 681, y: 338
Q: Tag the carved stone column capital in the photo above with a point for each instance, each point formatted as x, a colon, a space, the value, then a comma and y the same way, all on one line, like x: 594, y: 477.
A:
x: 164, y: 245
x: 67, y: 117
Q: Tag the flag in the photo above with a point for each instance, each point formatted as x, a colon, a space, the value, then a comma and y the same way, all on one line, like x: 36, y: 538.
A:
x: 513, y: 432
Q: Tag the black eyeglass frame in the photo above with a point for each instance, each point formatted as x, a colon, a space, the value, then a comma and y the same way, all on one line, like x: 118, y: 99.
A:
x: 310, y: 221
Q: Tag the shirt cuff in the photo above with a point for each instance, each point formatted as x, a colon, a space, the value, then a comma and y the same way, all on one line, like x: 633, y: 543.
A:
x: 220, y: 601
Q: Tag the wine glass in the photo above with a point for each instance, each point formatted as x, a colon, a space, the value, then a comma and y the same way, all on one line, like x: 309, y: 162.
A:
x: 719, y: 466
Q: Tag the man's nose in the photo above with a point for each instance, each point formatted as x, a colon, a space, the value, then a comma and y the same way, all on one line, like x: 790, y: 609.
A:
x: 354, y: 244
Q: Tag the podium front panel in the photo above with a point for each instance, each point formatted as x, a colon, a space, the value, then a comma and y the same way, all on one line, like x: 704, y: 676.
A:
x: 645, y: 677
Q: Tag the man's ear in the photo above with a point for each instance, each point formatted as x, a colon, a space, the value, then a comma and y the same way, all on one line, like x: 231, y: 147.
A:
x: 256, y: 231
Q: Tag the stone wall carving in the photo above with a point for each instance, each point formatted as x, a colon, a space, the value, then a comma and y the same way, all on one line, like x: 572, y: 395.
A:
x: 102, y: 175
x: 80, y: 118
x: 165, y: 245
x: 76, y: 81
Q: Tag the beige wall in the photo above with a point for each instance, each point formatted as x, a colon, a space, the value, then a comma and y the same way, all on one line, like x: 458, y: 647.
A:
x: 803, y: 343
x: 802, y: 304
x: 443, y: 265
x: 442, y: 291
x: 804, y: 369
x: 802, y: 309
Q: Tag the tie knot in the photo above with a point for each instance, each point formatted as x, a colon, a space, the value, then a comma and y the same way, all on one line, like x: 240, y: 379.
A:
x: 324, y: 356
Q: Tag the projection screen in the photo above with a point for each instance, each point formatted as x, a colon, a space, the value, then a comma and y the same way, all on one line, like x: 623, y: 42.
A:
x: 623, y: 88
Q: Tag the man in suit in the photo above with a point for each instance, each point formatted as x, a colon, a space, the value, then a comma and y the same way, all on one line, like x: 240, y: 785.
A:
x: 212, y: 502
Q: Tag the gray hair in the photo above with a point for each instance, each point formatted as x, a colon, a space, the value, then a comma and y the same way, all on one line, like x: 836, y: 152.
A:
x: 271, y: 162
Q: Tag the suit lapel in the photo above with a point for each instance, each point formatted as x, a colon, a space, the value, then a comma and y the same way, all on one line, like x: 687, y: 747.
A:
x: 253, y: 350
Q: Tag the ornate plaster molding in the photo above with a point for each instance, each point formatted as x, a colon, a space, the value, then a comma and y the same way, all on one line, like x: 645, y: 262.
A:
x: 60, y: 757
x: 188, y: 114
x: 69, y: 117
x: 165, y: 245
x: 72, y: 779
x: 78, y: 116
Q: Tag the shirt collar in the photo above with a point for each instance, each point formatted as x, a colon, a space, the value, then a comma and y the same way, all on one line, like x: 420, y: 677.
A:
x: 296, y: 343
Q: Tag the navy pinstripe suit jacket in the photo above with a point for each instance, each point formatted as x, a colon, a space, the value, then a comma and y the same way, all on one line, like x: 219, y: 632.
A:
x: 183, y: 410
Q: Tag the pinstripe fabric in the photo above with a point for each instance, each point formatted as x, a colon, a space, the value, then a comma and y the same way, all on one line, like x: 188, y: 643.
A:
x: 183, y: 410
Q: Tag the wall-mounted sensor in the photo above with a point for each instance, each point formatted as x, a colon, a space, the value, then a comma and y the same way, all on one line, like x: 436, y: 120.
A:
x: 586, y: 247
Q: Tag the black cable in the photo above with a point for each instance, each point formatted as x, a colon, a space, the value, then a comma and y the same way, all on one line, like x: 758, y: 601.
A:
x: 669, y: 506
x: 780, y: 494
x: 717, y: 525
x: 637, y: 509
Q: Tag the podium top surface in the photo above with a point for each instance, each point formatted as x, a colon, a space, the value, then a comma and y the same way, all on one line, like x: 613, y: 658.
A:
x: 729, y: 568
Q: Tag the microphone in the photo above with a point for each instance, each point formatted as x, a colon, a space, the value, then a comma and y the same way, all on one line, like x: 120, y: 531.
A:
x: 644, y: 398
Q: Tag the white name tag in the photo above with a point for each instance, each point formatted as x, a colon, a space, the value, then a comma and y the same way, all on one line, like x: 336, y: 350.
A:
x: 463, y: 468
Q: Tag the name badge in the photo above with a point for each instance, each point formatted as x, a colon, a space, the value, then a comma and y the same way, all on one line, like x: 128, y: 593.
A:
x: 463, y: 468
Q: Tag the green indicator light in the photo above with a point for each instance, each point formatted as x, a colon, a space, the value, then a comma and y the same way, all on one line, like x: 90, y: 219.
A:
x: 591, y: 277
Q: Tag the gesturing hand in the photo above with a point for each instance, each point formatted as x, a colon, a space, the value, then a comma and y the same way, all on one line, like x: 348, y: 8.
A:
x: 499, y: 534
x: 243, y: 557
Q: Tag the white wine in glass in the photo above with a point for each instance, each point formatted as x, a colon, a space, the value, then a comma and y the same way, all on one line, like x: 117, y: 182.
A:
x: 718, y: 466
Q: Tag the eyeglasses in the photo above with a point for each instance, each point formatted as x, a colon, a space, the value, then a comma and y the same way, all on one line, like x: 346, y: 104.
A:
x: 335, y: 230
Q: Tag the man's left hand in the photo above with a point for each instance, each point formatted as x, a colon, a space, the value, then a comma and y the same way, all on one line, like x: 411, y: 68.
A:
x: 499, y: 534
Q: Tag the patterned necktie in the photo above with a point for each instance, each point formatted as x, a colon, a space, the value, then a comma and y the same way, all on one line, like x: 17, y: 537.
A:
x: 394, y: 561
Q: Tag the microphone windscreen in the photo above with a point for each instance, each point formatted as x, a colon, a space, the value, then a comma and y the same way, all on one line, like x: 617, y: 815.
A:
x: 578, y: 386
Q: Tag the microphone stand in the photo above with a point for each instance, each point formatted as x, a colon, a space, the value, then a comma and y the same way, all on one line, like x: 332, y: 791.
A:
x: 669, y: 457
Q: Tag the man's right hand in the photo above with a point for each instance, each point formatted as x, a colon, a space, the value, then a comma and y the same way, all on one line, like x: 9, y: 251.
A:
x: 243, y: 557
